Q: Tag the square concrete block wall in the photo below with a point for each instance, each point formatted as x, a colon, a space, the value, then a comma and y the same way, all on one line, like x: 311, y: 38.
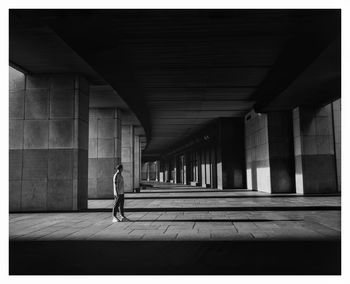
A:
x: 92, y: 147
x: 15, y: 187
x: 105, y: 187
x: 16, y: 134
x: 61, y: 133
x: 82, y: 195
x: 16, y: 104
x: 93, y: 127
x: 315, y: 157
x: 60, y: 194
x: 35, y: 134
x: 63, y: 82
x: 47, y: 129
x: 92, y: 188
x: 105, y: 167
x: 137, y: 164
x: 337, y: 139
x: 37, y: 82
x: 104, y: 150
x: 35, y: 164
x: 106, y: 128
x: 62, y: 103
x: 60, y: 164
x: 93, y: 167
x: 128, y: 176
x: 15, y: 164
x: 257, y: 151
x: 16, y: 80
x: 81, y: 141
x: 34, y: 195
x: 37, y: 104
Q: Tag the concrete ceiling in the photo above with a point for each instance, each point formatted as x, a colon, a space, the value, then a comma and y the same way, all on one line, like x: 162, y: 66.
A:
x: 35, y: 48
x: 178, y: 70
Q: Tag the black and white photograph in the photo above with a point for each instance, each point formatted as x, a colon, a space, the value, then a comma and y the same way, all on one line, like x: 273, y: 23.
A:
x: 174, y: 141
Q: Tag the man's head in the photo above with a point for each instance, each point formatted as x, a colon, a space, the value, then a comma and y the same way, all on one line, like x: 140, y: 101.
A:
x: 120, y: 167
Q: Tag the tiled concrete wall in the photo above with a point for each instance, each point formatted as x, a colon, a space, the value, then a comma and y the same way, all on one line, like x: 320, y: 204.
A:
x: 337, y: 138
x: 257, y: 152
x: 128, y: 157
x: 314, y: 150
x: 104, y: 150
x: 48, y: 142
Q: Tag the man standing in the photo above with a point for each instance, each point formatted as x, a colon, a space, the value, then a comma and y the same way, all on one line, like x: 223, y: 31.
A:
x: 118, y: 187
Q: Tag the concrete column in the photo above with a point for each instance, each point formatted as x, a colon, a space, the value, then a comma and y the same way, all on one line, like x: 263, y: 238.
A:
x: 148, y: 171
x: 157, y: 170
x: 153, y: 170
x: 269, y: 152
x: 166, y: 171
x: 128, y: 157
x: 203, y: 171
x: 337, y: 138
x: 137, y: 165
x: 257, y: 152
x: 104, y: 150
x: 161, y: 171
x: 48, y: 142
x: 219, y: 175
x: 144, y: 171
x: 198, y: 168
x: 213, y: 163
x: 207, y: 167
x: 315, y: 165
x: 174, y: 169
x: 187, y: 168
x: 230, y: 166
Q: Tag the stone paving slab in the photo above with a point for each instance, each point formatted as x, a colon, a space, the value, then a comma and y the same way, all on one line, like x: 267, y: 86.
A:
x: 184, y: 224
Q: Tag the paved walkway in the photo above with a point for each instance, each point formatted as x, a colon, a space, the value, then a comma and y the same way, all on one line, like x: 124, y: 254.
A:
x: 170, y: 212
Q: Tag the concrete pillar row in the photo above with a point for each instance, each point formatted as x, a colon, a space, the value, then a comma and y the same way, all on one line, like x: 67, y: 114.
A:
x: 104, y: 150
x: 48, y: 142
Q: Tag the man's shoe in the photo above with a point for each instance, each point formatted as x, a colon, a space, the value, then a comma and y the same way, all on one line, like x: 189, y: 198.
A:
x: 125, y: 219
x: 115, y: 220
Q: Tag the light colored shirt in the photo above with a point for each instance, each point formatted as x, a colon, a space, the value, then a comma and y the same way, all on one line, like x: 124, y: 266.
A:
x: 118, y: 183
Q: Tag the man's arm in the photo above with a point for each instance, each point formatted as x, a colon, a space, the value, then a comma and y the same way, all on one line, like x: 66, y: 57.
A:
x: 114, y: 185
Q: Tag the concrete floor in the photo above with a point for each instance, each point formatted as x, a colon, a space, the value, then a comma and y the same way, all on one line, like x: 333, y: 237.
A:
x: 170, y: 212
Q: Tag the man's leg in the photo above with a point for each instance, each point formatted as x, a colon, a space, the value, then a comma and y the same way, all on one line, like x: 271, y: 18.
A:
x: 116, y: 205
x: 122, y: 205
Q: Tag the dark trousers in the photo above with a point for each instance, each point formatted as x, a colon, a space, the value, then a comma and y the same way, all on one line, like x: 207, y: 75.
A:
x: 118, y: 205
